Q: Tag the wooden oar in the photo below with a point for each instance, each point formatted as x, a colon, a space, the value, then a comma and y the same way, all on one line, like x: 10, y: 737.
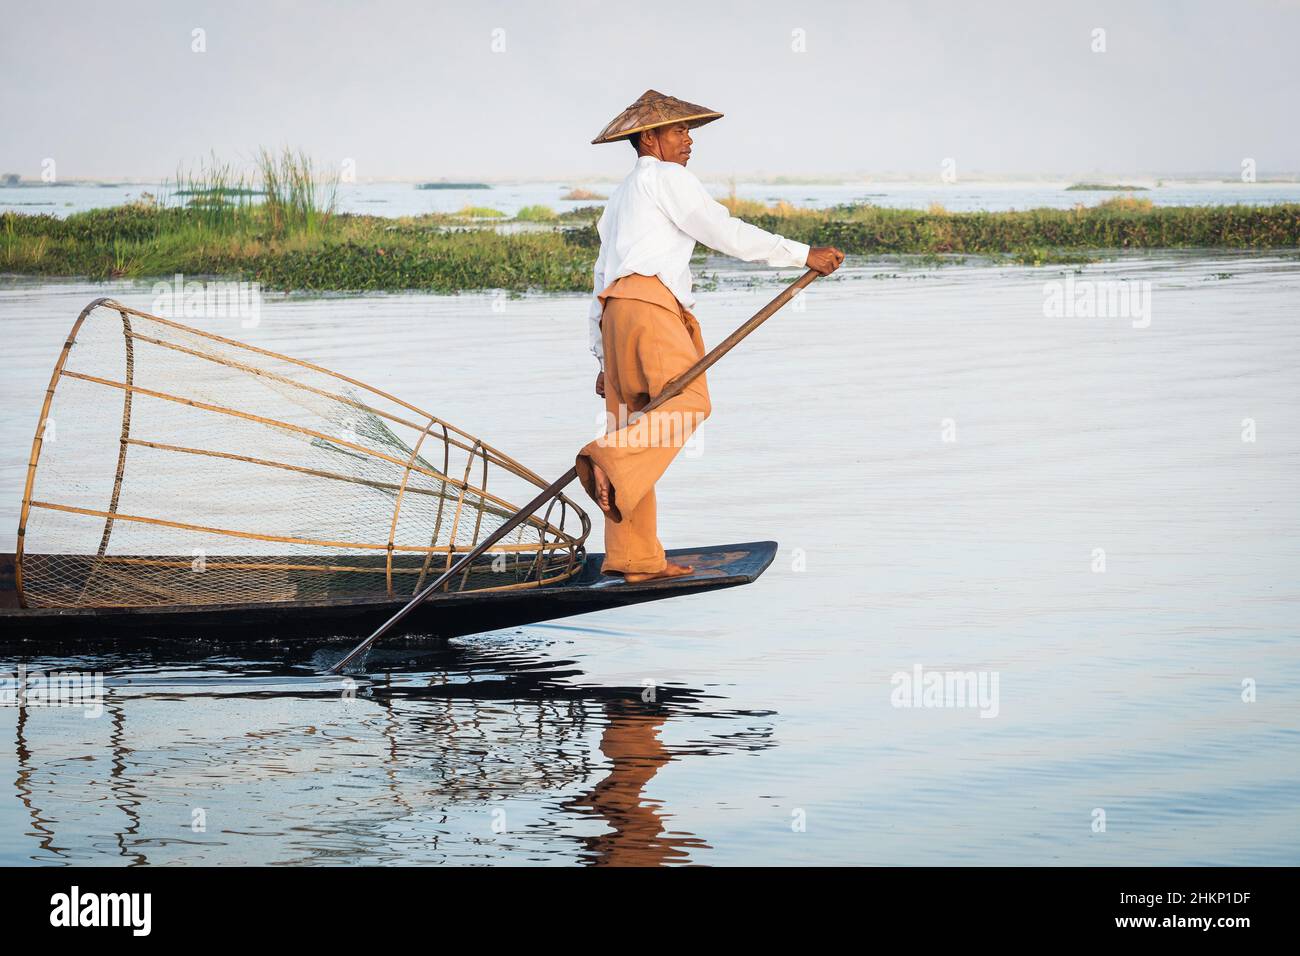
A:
x: 673, y: 389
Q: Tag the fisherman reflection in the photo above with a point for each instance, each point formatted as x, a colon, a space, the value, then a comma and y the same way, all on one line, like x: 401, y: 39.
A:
x: 632, y: 745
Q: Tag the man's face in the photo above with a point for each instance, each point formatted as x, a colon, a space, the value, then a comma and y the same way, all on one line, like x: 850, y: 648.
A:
x: 672, y: 144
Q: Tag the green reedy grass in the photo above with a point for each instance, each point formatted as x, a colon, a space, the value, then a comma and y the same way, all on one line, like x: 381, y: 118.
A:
x: 1120, y: 223
x: 536, y: 214
x: 479, y: 212
x: 296, y: 199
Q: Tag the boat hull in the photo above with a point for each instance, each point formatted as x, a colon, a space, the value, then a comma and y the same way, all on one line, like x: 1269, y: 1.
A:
x: 441, y: 615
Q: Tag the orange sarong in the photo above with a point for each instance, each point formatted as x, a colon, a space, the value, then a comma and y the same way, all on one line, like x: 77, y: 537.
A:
x: 649, y: 339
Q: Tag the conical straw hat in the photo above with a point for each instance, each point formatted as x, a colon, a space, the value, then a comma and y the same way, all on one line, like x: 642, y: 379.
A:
x: 652, y: 109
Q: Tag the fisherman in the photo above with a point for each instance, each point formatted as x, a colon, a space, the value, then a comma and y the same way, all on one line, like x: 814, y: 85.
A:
x: 642, y: 332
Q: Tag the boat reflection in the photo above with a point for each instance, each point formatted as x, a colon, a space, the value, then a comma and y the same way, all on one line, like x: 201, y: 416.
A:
x: 413, y: 765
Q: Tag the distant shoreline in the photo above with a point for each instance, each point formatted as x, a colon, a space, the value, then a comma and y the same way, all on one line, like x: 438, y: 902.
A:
x: 1143, y: 180
x: 477, y: 249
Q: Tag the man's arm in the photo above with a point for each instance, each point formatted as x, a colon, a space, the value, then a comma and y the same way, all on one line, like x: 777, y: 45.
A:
x: 688, y: 204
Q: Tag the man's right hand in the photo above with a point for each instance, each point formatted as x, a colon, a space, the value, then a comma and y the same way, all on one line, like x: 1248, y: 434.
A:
x: 600, y: 384
x: 825, y: 259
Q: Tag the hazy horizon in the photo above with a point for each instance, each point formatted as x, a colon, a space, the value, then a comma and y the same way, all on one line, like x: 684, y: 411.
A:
x: 415, y: 92
x: 973, y: 177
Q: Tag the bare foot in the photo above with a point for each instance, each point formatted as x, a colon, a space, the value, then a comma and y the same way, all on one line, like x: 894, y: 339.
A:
x: 671, y: 571
x: 602, y: 487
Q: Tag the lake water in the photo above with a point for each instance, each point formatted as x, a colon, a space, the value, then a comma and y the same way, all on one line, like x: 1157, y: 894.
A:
x: 404, y: 199
x: 1098, y: 516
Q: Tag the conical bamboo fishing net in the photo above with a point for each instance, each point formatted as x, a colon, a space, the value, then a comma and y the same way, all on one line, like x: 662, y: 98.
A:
x: 176, y: 467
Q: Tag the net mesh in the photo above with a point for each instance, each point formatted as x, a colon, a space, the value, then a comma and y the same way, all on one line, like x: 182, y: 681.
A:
x: 175, y: 467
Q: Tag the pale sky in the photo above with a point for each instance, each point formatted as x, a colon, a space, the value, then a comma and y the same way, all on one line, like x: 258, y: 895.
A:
x: 414, y: 90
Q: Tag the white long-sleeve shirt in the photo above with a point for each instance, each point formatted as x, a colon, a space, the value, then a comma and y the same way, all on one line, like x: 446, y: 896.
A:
x: 651, y: 224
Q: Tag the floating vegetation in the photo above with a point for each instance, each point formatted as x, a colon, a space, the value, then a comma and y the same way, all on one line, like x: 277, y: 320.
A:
x: 1122, y: 222
x: 224, y: 191
x: 536, y: 214
x: 578, y: 194
x: 1043, y: 257
x: 1104, y: 187
x: 445, y: 185
x: 277, y: 225
x: 480, y: 212
x: 746, y: 208
x: 1125, y: 204
x: 589, y: 214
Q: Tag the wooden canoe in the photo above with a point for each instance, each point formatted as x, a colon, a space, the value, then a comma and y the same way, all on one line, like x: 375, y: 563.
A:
x: 443, y: 615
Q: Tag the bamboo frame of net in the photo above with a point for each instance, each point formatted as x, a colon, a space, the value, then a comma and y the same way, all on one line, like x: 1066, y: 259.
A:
x: 555, y: 555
